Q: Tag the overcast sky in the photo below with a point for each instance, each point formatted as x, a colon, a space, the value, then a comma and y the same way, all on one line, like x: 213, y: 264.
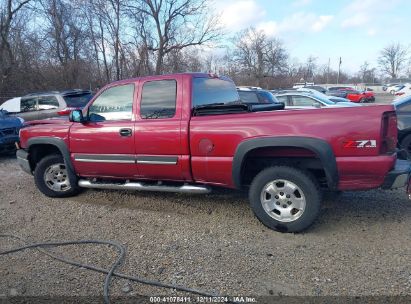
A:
x: 356, y: 30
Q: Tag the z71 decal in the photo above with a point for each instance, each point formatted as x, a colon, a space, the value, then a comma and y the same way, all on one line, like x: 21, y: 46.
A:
x: 366, y: 143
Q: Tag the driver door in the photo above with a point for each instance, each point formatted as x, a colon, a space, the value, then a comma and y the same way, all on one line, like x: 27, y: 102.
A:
x: 103, y: 146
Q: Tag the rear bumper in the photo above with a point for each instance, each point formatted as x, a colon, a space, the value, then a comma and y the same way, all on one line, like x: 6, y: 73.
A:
x: 398, y: 177
x: 23, y: 160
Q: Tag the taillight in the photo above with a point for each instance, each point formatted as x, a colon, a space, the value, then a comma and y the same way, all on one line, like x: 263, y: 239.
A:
x: 66, y: 111
x: 389, y: 132
x: 399, y: 93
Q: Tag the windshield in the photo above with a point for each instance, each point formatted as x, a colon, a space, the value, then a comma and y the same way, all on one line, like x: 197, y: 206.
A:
x: 77, y: 100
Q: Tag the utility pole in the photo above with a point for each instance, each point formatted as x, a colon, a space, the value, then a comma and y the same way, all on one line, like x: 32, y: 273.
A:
x: 339, y: 71
x: 328, y: 70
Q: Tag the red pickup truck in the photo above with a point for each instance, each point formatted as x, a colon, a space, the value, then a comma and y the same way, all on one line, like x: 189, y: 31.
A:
x: 187, y: 132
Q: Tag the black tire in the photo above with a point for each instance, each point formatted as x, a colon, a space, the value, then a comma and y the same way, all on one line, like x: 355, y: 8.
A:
x: 406, y: 144
x: 306, y: 184
x: 69, y: 180
x: 363, y: 100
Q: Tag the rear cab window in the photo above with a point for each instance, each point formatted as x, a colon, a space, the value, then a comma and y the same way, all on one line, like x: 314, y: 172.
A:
x: 207, y: 91
x: 158, y: 99
x: 248, y: 97
x: 77, y: 100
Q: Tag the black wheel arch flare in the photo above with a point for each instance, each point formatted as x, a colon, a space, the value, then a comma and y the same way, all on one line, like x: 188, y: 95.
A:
x: 319, y: 146
x: 58, y: 143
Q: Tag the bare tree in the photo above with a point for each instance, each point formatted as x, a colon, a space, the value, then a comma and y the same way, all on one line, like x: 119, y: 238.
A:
x: 171, y: 25
x: 8, y: 10
x: 259, y: 56
x: 65, y: 38
x: 364, y: 69
x: 392, y: 59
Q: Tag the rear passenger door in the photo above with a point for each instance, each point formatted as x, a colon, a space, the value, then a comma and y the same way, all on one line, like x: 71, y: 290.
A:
x: 28, y: 108
x: 161, y: 138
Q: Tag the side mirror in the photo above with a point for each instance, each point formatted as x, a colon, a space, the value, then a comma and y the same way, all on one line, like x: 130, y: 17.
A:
x: 76, y: 116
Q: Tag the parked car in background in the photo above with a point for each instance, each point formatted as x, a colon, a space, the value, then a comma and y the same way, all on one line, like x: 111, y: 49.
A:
x: 48, y: 104
x: 394, y: 88
x: 255, y: 96
x: 403, y: 108
x: 302, y: 84
x: 356, y: 96
x: 317, y: 88
x: 369, y: 94
x: 404, y: 91
x: 388, y: 86
x: 337, y: 92
x: 9, y: 131
x: 330, y: 97
x: 352, y: 94
x: 309, y: 101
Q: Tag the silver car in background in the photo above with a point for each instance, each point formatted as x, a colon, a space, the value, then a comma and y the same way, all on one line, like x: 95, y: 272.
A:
x: 306, y: 100
x: 47, y: 105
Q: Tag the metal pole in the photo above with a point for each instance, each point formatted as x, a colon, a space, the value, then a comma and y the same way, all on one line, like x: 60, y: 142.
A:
x: 339, y: 71
x: 328, y: 70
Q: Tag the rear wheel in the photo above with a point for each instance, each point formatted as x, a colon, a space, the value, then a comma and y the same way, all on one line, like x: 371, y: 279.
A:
x: 54, y: 179
x: 285, y: 199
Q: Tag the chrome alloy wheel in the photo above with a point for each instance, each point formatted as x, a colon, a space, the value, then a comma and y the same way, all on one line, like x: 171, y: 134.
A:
x: 283, y: 200
x: 56, y: 178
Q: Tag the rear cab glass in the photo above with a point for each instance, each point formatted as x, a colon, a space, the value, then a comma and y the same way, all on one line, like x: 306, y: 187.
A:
x: 248, y: 96
x: 77, y: 100
x: 158, y: 99
x: 208, y: 91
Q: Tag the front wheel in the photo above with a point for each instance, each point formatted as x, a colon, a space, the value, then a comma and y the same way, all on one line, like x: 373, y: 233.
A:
x: 54, y: 179
x: 285, y: 199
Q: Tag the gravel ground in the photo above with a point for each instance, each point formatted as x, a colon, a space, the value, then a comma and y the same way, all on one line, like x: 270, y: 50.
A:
x: 360, y: 245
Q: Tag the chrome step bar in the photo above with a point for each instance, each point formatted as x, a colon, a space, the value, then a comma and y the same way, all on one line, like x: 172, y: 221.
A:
x: 186, y: 188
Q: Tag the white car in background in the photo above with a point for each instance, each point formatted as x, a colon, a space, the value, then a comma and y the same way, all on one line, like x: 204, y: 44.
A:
x: 11, y: 105
x: 404, y: 91
x: 394, y: 88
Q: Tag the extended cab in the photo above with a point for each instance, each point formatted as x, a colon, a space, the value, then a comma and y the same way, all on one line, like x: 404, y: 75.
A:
x: 187, y: 132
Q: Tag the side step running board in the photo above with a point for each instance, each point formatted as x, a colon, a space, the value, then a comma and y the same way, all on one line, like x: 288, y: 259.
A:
x: 186, y: 188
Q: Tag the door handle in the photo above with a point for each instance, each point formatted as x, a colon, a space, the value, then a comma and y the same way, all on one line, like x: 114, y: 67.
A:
x: 125, y: 132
